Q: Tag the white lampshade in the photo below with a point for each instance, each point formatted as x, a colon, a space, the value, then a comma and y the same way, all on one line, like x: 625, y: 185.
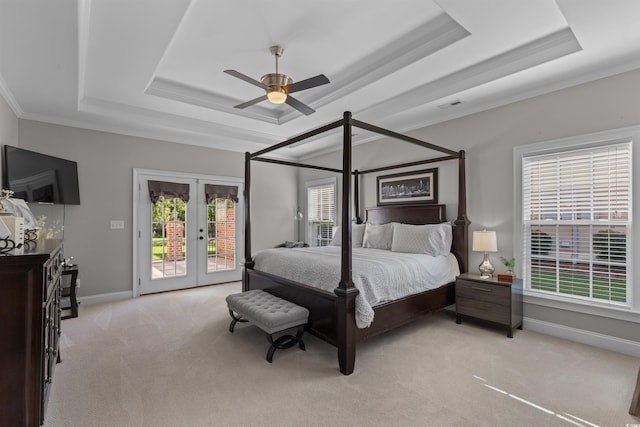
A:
x: 484, y: 241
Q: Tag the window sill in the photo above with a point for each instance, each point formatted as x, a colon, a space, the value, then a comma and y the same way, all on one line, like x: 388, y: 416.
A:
x: 628, y: 315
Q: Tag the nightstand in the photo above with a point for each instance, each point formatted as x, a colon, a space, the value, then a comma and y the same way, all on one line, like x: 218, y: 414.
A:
x: 489, y: 299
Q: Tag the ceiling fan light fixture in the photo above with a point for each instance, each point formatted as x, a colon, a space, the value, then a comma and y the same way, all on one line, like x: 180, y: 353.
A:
x: 276, y: 95
x: 278, y: 86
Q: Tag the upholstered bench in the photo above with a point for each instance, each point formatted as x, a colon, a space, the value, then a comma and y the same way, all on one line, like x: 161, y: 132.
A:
x: 271, y: 314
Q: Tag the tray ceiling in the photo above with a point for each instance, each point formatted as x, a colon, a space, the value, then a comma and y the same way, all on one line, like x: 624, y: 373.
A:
x: 155, y: 69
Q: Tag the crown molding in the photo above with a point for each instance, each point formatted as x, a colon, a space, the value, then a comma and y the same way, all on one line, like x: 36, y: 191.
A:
x: 170, y: 89
x: 10, y: 99
x: 167, y: 121
x: 553, y: 46
x: 420, y: 43
x: 127, y: 120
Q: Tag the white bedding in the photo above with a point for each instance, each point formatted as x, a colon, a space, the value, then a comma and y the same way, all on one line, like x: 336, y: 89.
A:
x: 380, y: 275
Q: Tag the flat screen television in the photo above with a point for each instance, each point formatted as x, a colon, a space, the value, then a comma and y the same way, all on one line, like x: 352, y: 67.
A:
x: 37, y: 177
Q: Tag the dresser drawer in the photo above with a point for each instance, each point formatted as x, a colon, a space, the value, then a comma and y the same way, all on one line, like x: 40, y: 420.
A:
x: 495, y: 294
x: 498, y: 313
x: 52, y: 273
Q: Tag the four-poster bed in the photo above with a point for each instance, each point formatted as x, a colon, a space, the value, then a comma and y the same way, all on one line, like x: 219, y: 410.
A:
x: 332, y: 314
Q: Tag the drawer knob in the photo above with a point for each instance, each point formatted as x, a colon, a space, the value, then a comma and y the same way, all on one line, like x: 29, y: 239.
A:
x: 477, y: 288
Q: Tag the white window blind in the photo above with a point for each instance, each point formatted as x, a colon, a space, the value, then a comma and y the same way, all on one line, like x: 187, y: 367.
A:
x: 577, y: 223
x: 321, y: 213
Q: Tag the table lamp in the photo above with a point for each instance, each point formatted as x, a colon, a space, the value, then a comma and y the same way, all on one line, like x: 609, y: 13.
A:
x: 485, y: 241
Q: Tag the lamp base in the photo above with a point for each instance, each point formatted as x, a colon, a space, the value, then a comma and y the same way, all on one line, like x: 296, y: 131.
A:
x: 486, y: 268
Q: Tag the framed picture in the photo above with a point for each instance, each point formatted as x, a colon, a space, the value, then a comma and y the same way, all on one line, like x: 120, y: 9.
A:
x: 408, y: 188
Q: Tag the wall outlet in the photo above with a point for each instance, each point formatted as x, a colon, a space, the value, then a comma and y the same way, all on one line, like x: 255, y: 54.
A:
x: 117, y: 224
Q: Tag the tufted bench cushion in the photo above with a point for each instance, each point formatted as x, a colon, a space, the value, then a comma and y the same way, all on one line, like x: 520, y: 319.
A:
x: 271, y: 314
x: 268, y: 312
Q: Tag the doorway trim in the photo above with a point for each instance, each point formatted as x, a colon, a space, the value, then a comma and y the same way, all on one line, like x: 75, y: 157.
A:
x: 136, y: 197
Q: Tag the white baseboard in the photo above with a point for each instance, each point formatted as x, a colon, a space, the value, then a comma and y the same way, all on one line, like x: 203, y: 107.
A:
x: 102, y: 298
x: 607, y: 342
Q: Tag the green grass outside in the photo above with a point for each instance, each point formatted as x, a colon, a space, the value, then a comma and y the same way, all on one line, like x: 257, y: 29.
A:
x: 157, y: 249
x: 614, y: 290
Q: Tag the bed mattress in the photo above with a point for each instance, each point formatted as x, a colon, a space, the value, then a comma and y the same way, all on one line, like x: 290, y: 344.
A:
x: 380, y: 275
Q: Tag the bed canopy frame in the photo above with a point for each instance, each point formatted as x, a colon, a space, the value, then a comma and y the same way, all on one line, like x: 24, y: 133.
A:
x: 342, y: 331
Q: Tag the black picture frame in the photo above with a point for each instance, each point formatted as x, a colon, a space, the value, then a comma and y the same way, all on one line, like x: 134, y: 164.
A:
x: 408, y: 188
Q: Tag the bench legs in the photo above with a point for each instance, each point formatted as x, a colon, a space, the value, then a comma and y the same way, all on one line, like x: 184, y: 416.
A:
x: 235, y: 320
x: 285, y: 341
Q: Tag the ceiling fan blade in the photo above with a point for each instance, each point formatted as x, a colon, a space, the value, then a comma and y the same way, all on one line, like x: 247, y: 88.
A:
x: 246, y: 78
x: 318, y: 80
x: 304, y: 109
x: 253, y: 101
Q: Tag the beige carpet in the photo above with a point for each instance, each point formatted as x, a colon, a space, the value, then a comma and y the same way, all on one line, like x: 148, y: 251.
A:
x: 169, y: 360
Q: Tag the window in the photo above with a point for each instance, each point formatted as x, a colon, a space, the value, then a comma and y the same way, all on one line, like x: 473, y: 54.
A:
x: 321, y: 211
x: 576, y: 222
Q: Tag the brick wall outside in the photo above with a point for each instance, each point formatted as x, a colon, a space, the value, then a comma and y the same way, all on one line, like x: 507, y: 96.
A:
x: 226, y: 232
x: 175, y: 236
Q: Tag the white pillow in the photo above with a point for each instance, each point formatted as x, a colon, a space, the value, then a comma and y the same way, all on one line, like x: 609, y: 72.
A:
x: 430, y: 239
x: 378, y: 236
x: 288, y: 244
x: 357, y: 234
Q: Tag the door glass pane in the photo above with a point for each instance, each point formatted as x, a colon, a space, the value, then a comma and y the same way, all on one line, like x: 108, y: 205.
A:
x: 221, y: 232
x: 168, y: 244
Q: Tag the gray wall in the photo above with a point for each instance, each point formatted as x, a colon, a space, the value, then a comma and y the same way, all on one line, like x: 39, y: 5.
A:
x: 383, y: 153
x: 105, y: 169
x: 8, y: 126
x: 106, y: 162
x: 488, y: 139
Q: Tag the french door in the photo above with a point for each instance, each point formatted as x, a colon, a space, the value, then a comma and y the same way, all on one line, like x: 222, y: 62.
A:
x: 187, y: 230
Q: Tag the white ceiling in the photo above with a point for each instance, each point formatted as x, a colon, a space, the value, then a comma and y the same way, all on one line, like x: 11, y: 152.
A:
x: 154, y: 68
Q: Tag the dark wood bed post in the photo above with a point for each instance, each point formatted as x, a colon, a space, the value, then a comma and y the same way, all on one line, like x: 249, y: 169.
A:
x: 346, y: 291
x: 462, y: 222
x: 356, y: 195
x: 248, y: 261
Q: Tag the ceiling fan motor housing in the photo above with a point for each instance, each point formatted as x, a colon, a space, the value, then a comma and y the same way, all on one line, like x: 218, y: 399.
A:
x: 276, y: 82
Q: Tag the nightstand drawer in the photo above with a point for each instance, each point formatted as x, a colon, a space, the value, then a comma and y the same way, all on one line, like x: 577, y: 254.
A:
x: 492, y: 293
x: 483, y: 310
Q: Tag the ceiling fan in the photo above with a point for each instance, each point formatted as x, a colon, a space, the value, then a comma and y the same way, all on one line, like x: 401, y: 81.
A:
x: 278, y: 86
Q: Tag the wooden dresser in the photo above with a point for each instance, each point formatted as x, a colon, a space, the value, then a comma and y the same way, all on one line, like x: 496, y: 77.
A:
x: 29, y: 329
x: 489, y: 299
